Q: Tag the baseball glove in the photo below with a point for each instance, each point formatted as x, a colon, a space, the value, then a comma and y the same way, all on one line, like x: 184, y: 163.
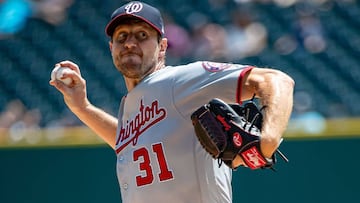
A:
x: 226, y: 130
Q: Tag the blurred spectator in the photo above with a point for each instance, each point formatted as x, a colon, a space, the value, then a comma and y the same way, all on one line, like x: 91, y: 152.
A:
x: 67, y: 119
x: 12, y: 113
x: 308, y: 28
x: 15, y: 13
x: 27, y: 128
x: 13, y: 16
x: 179, y: 43
x: 51, y: 11
x: 245, y: 37
x: 207, y: 38
x: 209, y: 41
x: 286, y: 44
x: 55, y: 129
x: 304, y: 118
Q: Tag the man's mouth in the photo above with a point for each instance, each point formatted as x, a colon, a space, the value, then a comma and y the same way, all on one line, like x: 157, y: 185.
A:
x: 130, y: 54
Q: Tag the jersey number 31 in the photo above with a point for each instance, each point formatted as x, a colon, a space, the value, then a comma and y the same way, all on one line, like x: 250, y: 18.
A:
x: 143, y: 155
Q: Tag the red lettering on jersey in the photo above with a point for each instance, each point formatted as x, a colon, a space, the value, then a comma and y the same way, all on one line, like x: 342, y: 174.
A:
x: 147, y: 117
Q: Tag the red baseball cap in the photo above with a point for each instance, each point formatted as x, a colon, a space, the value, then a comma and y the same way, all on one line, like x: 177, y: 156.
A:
x: 138, y: 10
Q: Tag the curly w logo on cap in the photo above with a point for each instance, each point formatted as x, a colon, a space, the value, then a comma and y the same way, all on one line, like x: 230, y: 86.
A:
x: 133, y: 7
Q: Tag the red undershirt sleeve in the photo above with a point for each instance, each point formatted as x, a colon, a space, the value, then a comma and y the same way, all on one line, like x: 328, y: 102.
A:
x: 240, y: 81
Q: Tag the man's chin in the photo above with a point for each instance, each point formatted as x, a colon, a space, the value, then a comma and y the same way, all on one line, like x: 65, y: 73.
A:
x: 130, y: 70
x: 131, y: 58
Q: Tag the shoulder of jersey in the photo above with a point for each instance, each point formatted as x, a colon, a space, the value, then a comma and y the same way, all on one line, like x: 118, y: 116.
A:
x: 210, y: 66
x: 218, y: 67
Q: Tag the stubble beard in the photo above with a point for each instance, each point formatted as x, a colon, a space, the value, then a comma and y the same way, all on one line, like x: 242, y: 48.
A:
x: 133, y: 70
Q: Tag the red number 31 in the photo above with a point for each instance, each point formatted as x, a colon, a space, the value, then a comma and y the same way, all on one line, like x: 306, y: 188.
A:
x: 145, y: 165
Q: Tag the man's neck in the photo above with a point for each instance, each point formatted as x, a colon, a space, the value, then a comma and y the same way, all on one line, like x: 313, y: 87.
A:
x: 132, y: 82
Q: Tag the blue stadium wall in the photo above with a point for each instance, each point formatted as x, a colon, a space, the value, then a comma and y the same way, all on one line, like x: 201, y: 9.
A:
x: 322, y: 170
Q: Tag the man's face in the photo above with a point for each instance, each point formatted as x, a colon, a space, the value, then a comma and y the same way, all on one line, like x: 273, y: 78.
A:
x: 135, y: 49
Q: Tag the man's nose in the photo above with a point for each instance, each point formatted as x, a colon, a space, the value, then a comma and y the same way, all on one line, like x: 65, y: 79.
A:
x: 130, y: 42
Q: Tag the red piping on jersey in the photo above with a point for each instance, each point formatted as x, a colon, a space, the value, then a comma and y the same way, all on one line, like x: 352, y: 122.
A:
x: 240, y: 80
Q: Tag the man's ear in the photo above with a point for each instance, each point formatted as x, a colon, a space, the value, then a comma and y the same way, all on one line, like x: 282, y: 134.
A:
x: 163, y: 47
x: 110, y: 45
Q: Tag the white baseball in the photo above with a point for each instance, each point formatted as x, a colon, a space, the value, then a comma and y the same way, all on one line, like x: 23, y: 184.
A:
x: 58, y: 74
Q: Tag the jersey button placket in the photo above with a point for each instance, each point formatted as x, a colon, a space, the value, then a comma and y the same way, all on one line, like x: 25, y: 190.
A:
x: 122, y: 168
x: 121, y: 158
x: 125, y: 186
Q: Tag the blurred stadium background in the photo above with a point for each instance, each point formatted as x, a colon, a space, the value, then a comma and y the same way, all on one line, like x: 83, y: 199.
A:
x: 317, y: 42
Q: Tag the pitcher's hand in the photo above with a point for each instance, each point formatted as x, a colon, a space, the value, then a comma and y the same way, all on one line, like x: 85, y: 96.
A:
x: 75, y: 95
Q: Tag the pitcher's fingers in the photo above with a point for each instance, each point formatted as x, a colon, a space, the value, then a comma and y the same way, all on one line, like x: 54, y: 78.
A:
x: 58, y: 85
x: 70, y: 65
x: 75, y: 76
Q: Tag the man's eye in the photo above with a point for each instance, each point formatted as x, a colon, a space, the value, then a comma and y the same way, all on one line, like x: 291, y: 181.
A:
x: 141, y: 35
x: 121, y: 37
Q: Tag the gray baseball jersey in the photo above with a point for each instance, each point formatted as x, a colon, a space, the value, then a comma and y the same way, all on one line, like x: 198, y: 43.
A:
x: 159, y: 158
